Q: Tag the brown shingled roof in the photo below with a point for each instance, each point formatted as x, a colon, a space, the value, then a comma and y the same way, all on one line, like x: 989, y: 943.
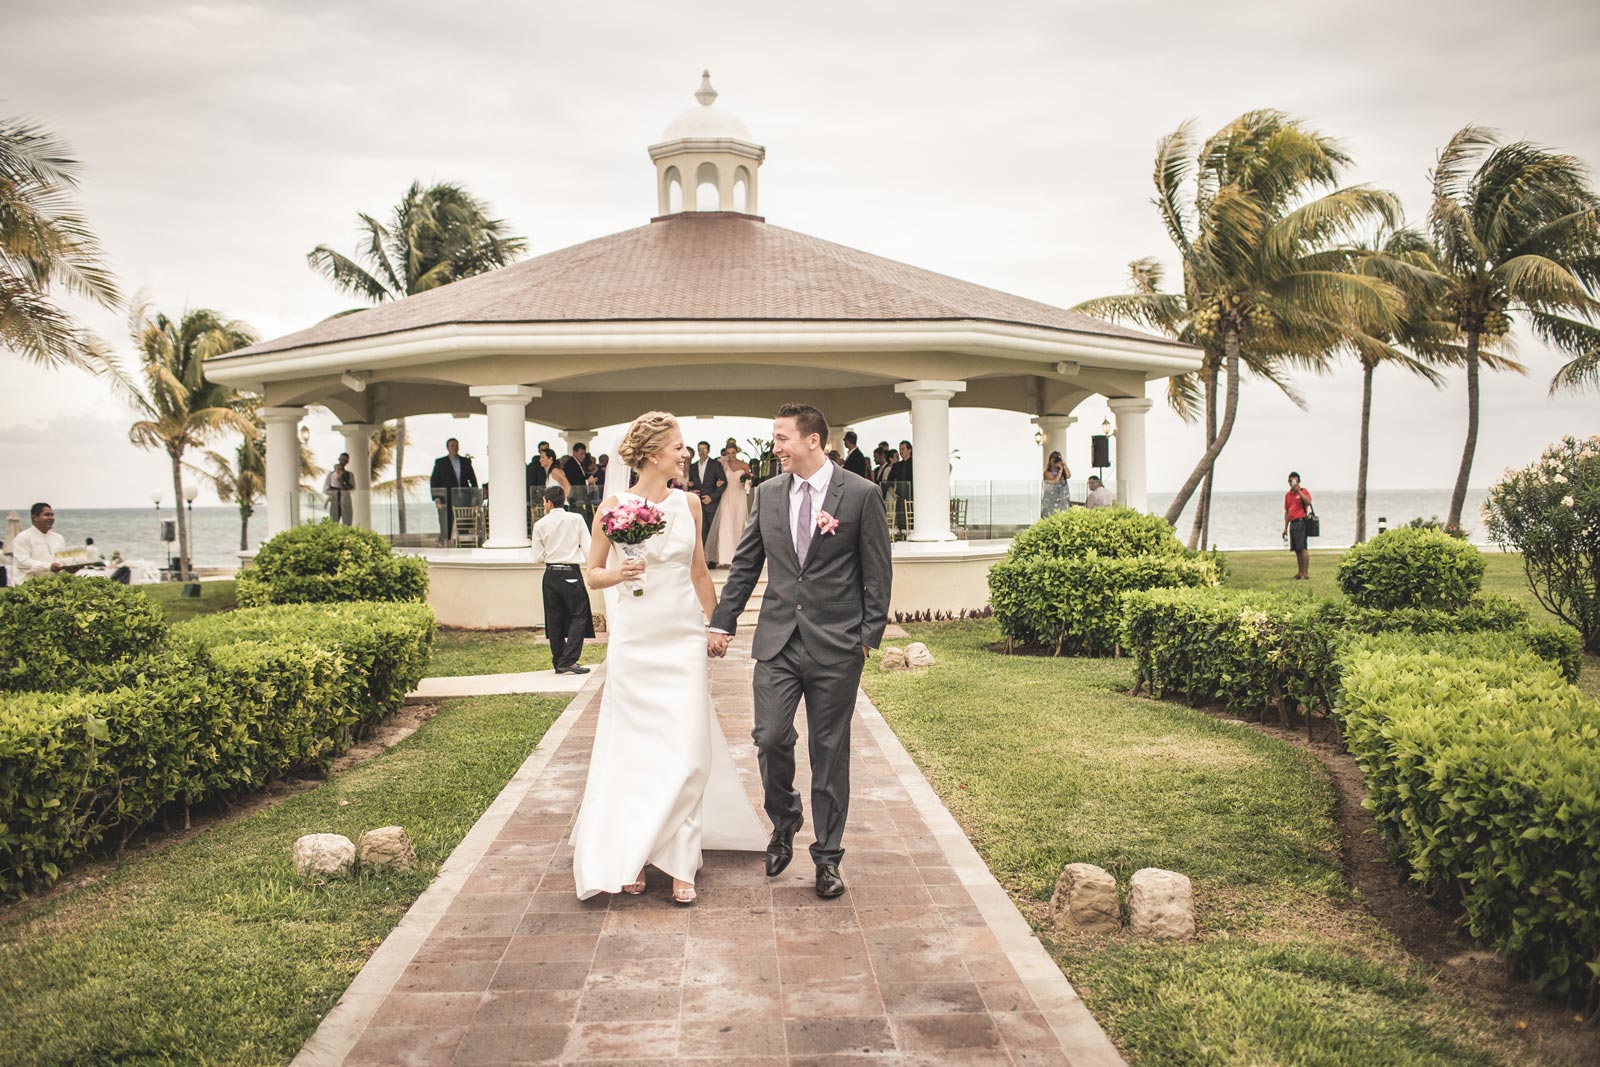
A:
x: 697, y: 267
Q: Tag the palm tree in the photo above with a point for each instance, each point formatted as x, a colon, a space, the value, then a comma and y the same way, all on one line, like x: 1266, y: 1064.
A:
x: 181, y: 407
x: 1267, y: 286
x: 241, y: 480
x: 387, y: 444
x: 45, y: 245
x: 1518, y: 232
x: 436, y: 235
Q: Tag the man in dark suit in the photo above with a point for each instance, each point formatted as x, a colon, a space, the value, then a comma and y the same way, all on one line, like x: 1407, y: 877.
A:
x: 900, y: 481
x: 451, y: 471
x: 707, y: 480
x: 536, y: 475
x: 581, y: 497
x: 854, y: 461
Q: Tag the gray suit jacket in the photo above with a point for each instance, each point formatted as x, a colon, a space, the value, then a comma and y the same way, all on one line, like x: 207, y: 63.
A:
x: 840, y: 600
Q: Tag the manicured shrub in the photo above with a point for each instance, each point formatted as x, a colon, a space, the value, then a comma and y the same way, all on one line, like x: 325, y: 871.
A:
x: 1483, y: 773
x: 1411, y: 568
x: 1245, y: 650
x: 1550, y: 512
x: 1111, y: 533
x: 1061, y: 584
x: 57, y: 628
x: 237, y: 700
x: 1075, y: 605
x: 329, y: 562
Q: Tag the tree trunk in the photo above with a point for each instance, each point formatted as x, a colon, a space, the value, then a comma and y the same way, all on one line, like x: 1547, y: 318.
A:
x: 1367, y: 370
x: 1199, y: 533
x: 244, y: 526
x: 1458, y: 498
x: 400, y: 473
x: 1230, y: 347
x: 183, y: 523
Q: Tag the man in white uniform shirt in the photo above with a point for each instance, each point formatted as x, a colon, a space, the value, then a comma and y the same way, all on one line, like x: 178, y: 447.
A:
x: 1099, y: 496
x: 34, y: 551
x: 561, y: 541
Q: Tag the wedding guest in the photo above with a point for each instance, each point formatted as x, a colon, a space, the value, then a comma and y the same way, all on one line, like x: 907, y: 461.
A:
x: 900, y: 483
x: 733, y: 510
x: 92, y: 553
x: 1296, y: 503
x: 34, y: 551
x: 118, y: 570
x: 1099, y: 496
x: 554, y: 474
x: 854, y: 461
x: 536, y: 470
x: 452, y: 472
x: 561, y: 543
x: 338, y: 486
x: 1055, y: 485
x: 572, y: 466
x: 707, y: 479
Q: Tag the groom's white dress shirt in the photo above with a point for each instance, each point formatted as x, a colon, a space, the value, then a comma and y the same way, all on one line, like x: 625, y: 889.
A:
x: 817, y: 484
x: 33, y: 552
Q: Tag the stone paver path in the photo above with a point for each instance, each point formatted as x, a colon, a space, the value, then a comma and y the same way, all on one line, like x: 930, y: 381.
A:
x: 924, y: 961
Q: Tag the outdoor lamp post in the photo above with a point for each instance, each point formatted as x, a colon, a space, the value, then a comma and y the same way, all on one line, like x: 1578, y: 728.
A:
x: 191, y: 587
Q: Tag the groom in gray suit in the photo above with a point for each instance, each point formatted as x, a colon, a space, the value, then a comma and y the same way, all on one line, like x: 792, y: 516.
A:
x: 822, y: 535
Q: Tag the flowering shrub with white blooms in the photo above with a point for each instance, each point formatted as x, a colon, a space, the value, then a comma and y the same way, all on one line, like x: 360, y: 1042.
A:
x: 1550, y: 512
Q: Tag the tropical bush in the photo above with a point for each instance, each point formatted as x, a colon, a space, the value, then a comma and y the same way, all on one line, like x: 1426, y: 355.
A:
x: 1483, y: 773
x: 328, y: 562
x: 1550, y: 512
x: 237, y: 700
x: 1061, y: 584
x: 56, y: 629
x: 1411, y: 568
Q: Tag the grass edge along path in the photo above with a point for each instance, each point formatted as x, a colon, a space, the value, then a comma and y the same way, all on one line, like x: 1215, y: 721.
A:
x: 1049, y: 761
x: 213, y: 951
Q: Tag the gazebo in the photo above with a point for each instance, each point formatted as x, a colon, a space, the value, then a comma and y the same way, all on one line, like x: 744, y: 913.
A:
x: 710, y: 305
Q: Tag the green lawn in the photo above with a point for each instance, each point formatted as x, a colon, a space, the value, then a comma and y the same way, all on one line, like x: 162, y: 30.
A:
x: 213, y: 951
x: 1048, y: 761
x: 214, y: 596
x: 459, y: 652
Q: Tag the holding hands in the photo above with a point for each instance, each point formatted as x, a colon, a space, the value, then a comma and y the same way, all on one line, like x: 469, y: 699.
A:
x: 716, y: 644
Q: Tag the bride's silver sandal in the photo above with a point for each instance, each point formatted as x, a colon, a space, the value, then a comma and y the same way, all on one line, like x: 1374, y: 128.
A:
x: 683, y: 892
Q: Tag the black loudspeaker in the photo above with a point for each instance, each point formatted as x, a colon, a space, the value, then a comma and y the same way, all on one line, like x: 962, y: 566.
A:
x: 1100, y: 449
x: 169, y: 530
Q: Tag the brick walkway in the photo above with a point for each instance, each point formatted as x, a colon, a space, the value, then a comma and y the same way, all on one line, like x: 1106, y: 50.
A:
x: 923, y: 961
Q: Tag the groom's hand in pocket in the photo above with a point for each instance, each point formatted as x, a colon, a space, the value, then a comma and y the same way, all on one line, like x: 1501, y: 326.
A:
x: 716, y: 645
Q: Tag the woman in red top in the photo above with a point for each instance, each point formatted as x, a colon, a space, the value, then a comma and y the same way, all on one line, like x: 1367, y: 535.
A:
x: 1295, y: 503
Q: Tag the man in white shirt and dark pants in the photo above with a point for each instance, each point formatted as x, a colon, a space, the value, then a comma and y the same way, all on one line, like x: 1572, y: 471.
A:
x: 34, y: 551
x: 561, y: 540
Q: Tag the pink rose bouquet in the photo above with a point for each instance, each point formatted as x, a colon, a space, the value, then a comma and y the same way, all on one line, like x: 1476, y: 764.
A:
x: 629, y: 525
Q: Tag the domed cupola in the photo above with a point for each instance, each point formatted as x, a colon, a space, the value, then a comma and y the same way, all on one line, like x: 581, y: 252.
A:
x: 707, y: 160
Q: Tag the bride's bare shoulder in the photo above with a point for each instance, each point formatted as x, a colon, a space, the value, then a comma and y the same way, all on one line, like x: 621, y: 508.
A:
x: 692, y: 500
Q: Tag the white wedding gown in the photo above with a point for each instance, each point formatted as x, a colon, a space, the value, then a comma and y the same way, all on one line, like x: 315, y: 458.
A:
x: 730, y: 518
x: 662, y: 784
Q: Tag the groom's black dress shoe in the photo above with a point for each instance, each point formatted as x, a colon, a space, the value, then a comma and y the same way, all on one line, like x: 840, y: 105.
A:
x: 780, y: 850
x: 829, y: 884
x: 572, y: 670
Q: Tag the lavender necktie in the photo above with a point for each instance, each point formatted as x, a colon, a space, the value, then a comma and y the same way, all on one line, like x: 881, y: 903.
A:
x: 802, y: 536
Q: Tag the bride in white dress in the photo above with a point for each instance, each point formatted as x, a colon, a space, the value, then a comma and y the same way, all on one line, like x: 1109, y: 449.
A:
x: 662, y: 785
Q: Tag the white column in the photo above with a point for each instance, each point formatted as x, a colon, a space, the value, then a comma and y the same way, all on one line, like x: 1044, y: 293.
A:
x: 1130, y: 457
x: 577, y: 437
x: 930, y: 465
x: 358, y: 442
x: 1053, y: 437
x: 508, y: 450
x: 283, y: 465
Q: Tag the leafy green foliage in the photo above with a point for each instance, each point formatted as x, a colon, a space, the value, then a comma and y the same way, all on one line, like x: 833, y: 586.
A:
x: 328, y: 562
x: 236, y: 701
x: 54, y: 629
x: 1550, y: 512
x: 1483, y: 772
x: 1061, y: 583
x: 1409, y: 568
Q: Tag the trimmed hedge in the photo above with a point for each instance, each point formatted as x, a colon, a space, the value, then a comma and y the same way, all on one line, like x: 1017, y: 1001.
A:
x: 1061, y: 583
x: 239, y: 700
x: 1411, y: 568
x: 1483, y: 772
x: 328, y: 562
x: 56, y: 629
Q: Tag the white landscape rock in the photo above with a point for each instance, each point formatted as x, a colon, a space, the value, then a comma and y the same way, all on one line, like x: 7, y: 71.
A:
x: 325, y: 854
x: 387, y: 846
x: 894, y: 659
x: 917, y: 655
x: 1086, y: 901
x: 1161, y: 904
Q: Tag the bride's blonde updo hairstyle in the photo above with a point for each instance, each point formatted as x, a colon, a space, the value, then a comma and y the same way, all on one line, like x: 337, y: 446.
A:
x: 645, y: 437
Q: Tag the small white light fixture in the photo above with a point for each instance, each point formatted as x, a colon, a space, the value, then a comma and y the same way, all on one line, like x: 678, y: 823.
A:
x: 155, y: 498
x: 1106, y: 428
x: 305, y: 435
x: 191, y: 491
x: 1038, y: 437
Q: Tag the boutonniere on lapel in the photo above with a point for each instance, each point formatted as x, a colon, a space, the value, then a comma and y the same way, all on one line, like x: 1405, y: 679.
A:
x: 826, y: 523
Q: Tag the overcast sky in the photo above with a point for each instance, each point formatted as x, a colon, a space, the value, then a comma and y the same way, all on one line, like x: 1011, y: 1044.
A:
x: 1006, y: 144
